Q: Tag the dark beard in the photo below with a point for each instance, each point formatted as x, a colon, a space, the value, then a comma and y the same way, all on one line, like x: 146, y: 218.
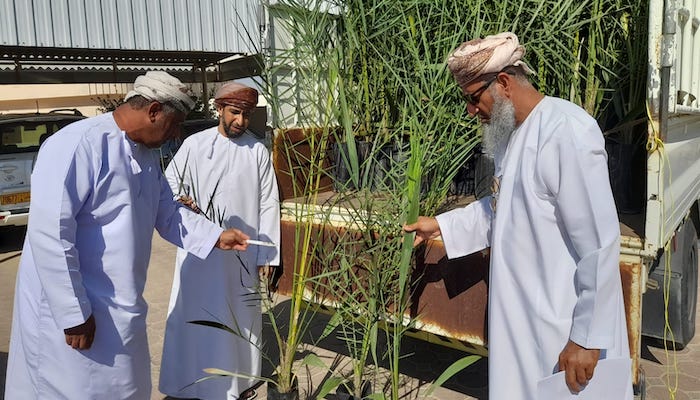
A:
x: 231, y: 133
x: 501, y: 125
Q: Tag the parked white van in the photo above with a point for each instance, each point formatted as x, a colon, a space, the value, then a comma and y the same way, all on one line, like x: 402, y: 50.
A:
x: 20, y: 138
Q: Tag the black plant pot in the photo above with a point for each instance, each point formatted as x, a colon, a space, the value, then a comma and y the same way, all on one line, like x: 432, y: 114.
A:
x: 342, y: 173
x: 343, y: 391
x: 380, y: 175
x: 626, y: 164
x: 375, y: 166
x: 483, y: 175
x: 274, y: 394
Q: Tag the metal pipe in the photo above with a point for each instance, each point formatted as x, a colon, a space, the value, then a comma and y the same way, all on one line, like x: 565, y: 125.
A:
x: 667, y: 60
x: 205, y: 91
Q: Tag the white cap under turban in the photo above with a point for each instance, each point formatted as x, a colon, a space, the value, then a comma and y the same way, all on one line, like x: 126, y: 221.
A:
x: 489, y: 55
x: 164, y: 88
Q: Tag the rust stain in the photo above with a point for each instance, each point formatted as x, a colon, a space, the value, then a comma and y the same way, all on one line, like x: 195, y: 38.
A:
x: 630, y: 273
x: 291, y: 153
x: 450, y: 297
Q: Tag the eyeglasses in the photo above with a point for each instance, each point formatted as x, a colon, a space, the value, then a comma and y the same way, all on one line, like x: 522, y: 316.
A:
x: 474, y: 97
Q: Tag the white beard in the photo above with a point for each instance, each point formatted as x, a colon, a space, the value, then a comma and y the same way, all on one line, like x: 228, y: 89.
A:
x: 497, y: 132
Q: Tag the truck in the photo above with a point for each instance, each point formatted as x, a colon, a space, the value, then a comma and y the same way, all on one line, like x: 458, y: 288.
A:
x: 663, y: 260
x: 656, y: 184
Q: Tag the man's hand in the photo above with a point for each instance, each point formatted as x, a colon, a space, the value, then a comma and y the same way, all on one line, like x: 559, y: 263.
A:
x: 189, y: 202
x: 80, y: 337
x: 232, y: 239
x: 579, y: 363
x: 426, y: 228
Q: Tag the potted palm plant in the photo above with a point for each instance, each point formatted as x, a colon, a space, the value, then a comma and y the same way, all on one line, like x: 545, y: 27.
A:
x: 288, y: 329
x: 375, y: 69
x: 428, y: 127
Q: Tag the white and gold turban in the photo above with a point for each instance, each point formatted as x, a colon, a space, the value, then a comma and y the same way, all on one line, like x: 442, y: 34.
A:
x: 489, y: 55
x: 164, y: 88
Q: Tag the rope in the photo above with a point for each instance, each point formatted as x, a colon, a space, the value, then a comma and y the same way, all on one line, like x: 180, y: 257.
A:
x: 654, y: 143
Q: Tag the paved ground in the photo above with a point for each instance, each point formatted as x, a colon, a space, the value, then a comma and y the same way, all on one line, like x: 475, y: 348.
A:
x: 418, y: 370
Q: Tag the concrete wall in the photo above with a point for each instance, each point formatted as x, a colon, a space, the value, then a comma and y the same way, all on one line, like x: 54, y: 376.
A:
x: 44, y: 98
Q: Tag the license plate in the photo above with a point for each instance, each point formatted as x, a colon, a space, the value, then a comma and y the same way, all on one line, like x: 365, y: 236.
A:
x: 14, y: 198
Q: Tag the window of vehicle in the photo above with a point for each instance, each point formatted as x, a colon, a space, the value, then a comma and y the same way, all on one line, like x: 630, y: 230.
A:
x: 21, y: 135
x: 27, y: 136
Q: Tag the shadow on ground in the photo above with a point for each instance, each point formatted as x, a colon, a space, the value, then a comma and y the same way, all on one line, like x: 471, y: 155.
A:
x: 3, y: 368
x: 646, y: 353
x: 12, y: 238
x: 421, y: 364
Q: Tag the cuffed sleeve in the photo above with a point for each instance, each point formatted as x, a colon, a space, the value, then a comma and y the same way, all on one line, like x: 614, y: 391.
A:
x: 184, y: 228
x: 466, y: 230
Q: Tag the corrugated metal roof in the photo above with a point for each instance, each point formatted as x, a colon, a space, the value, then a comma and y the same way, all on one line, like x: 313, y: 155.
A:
x: 222, y: 26
x: 46, y: 41
x: 80, y: 66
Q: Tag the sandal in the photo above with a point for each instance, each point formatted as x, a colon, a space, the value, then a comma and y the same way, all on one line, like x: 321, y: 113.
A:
x: 248, y: 394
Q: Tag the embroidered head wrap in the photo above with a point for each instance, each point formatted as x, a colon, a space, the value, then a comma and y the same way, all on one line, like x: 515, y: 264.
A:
x: 484, y: 56
x: 164, y: 88
x: 237, y: 95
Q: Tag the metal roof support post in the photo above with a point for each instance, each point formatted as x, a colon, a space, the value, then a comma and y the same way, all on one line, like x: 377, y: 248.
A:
x: 205, y: 92
x: 114, y: 71
x: 18, y: 70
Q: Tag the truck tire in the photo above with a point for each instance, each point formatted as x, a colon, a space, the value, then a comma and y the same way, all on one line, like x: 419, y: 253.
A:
x: 689, y: 295
x: 682, y: 294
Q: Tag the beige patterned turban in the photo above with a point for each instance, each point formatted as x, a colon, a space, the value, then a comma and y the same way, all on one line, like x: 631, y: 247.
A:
x: 164, y: 88
x: 489, y: 55
x: 237, y: 95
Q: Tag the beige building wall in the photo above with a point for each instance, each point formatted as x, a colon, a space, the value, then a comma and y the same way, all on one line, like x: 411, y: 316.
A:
x: 47, y: 97
x: 84, y: 97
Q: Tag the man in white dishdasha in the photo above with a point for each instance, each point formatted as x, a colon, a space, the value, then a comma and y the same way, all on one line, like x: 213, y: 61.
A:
x: 97, y: 193
x: 555, y: 294
x: 227, y: 172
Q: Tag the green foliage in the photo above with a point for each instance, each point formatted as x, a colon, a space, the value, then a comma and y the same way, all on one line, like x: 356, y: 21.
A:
x: 377, y: 78
x: 456, y: 366
x: 108, y: 104
x: 203, y: 107
x: 375, y: 70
